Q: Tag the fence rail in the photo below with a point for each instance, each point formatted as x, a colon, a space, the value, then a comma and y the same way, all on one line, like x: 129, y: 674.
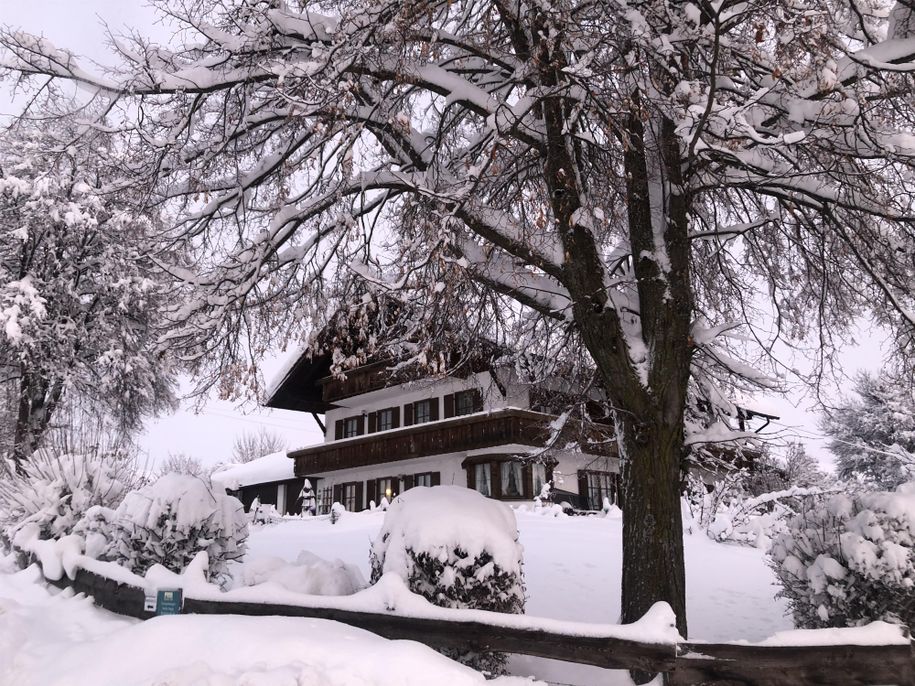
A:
x: 687, y: 663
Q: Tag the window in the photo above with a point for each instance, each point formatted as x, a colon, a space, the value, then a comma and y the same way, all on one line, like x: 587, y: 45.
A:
x: 482, y: 474
x: 349, y: 497
x: 385, y: 488
x: 422, y: 411
x: 464, y: 403
x: 512, y: 479
x: 351, y: 427
x: 386, y: 419
x: 599, y: 485
x: 325, y: 500
x: 422, y: 479
x: 538, y: 477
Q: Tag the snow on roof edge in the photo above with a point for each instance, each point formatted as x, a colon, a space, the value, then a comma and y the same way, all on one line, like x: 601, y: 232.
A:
x: 273, y: 467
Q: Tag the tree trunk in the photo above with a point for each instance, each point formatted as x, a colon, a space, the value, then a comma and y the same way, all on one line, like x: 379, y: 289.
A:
x: 653, y: 567
x: 38, y: 398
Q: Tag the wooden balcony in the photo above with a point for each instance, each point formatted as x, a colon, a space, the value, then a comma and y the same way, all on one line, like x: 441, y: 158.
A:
x: 473, y: 432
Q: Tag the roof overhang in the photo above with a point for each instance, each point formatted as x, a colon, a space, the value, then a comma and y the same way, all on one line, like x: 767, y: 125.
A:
x: 300, y: 389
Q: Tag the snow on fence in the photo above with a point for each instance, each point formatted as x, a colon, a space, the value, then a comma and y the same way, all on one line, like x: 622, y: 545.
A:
x: 795, y: 663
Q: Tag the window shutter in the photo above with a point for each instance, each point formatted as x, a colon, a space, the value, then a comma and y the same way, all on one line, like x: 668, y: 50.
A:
x: 449, y: 405
x: 338, y: 430
x: 395, y: 486
x: 527, y: 476
x: 583, y: 489
x: 370, y: 492
x: 373, y: 422
x: 436, y: 478
x: 433, y: 409
x: 396, y: 411
x: 338, y: 493
x: 359, y: 502
x: 360, y: 425
x: 471, y: 476
x: 408, y: 482
x: 477, y: 400
x: 408, y: 414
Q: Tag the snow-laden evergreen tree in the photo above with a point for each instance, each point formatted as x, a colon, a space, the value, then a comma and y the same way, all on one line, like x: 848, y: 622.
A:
x: 77, y: 297
x: 873, y: 435
x: 634, y: 185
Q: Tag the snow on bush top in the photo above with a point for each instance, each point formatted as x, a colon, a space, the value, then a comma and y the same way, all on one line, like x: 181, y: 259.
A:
x: 185, y: 498
x: 442, y: 518
x: 56, y: 489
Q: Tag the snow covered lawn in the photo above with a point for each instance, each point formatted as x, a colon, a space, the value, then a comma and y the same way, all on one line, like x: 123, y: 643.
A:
x: 51, y: 638
x: 572, y: 570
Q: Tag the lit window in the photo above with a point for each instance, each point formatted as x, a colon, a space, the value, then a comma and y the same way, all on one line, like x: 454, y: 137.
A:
x: 512, y: 479
x: 463, y: 403
x: 386, y: 419
x: 483, y: 479
x: 386, y: 489
x: 351, y: 427
x: 422, y: 411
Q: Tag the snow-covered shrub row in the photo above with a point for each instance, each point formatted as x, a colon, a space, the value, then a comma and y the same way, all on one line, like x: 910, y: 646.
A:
x: 56, y: 490
x: 850, y: 560
x: 168, y: 522
x: 457, y: 549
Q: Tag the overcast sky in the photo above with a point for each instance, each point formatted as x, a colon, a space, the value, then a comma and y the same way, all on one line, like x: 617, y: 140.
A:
x: 78, y: 26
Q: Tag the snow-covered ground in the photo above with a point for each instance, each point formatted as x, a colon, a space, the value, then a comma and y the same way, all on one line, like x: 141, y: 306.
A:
x: 572, y: 570
x: 571, y: 567
x: 53, y: 638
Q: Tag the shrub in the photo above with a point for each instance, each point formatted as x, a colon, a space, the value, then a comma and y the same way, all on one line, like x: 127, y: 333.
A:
x: 457, y: 549
x: 56, y: 490
x: 850, y: 560
x: 170, y: 521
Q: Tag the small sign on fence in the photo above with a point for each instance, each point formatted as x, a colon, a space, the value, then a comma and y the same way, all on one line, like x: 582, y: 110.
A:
x: 169, y: 601
x: 164, y: 601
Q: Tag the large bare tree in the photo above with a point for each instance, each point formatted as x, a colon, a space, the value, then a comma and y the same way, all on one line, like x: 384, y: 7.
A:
x: 675, y: 186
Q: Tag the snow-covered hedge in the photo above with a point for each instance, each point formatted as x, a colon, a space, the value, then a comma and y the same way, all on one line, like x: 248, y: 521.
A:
x: 169, y: 522
x: 850, y: 560
x: 56, y: 490
x: 457, y: 549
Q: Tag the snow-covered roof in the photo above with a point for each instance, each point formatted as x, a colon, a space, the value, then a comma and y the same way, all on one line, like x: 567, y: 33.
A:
x: 273, y: 467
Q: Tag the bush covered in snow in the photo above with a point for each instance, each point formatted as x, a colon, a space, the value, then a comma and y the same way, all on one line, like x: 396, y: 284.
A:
x: 168, y: 522
x: 726, y: 511
x: 850, y: 560
x: 56, y: 489
x: 457, y: 549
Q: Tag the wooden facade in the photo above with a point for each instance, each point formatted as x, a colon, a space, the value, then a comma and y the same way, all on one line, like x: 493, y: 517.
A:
x: 473, y: 432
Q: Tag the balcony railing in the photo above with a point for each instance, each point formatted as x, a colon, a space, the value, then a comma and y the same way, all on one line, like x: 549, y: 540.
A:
x: 472, y: 432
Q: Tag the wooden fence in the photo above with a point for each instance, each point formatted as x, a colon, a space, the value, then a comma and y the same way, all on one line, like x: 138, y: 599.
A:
x: 684, y: 663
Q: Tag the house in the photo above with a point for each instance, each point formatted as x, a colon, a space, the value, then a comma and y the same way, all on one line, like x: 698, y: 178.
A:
x: 269, y: 478
x: 386, y: 432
